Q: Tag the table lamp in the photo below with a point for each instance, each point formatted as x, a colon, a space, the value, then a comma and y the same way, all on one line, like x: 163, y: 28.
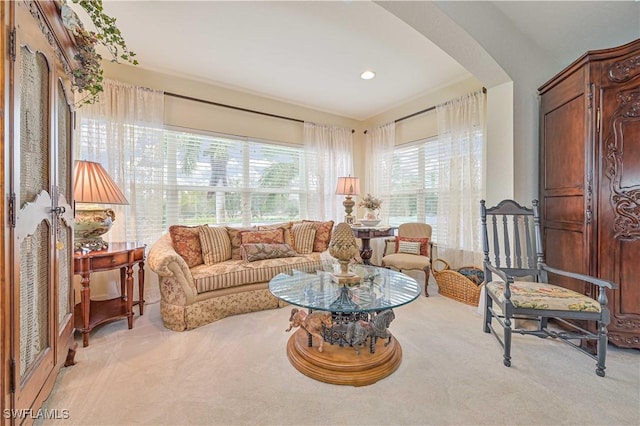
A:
x: 348, y: 186
x: 93, y: 186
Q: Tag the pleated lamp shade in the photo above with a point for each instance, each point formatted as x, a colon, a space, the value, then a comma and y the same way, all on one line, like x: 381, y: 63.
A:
x: 348, y: 186
x: 92, y: 184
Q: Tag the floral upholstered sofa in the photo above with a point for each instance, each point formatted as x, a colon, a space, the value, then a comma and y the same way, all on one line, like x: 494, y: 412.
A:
x: 207, y: 273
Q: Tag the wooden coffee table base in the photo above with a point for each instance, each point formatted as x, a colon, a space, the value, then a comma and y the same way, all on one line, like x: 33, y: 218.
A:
x: 342, y: 365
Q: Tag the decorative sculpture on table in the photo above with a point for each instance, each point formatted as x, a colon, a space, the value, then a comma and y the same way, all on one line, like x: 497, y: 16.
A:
x: 343, y: 247
x: 359, y: 331
x: 312, y: 323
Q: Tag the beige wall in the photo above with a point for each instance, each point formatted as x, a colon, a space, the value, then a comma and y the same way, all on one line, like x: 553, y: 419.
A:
x: 202, y: 116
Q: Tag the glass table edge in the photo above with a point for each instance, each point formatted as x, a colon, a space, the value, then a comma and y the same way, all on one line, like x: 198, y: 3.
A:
x: 311, y: 307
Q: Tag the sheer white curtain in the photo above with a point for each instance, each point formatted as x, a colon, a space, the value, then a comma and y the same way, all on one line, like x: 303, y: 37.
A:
x: 123, y: 131
x: 378, y: 154
x: 328, y: 155
x: 379, y: 158
x: 461, y: 140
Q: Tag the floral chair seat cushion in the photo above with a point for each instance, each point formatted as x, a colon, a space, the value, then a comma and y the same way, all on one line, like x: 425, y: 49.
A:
x: 544, y: 296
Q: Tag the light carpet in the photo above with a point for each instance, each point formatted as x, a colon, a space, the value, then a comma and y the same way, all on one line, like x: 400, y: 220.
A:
x: 235, y: 372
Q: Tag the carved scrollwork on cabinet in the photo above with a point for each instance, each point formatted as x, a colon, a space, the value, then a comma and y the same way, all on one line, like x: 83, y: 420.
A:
x: 624, y: 340
x: 625, y: 70
x: 625, y: 201
x: 627, y: 323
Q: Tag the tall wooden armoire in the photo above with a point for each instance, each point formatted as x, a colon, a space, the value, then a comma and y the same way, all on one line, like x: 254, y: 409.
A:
x: 36, y: 244
x: 590, y: 178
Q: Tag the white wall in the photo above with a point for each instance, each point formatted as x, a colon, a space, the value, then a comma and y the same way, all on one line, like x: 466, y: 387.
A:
x: 510, y: 65
x: 500, y: 171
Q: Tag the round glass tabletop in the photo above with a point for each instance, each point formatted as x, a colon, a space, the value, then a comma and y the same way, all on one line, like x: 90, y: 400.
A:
x: 378, y: 289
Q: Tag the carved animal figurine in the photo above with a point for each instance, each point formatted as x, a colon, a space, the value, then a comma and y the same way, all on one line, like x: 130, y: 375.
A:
x: 359, y: 331
x: 71, y: 355
x: 312, y: 323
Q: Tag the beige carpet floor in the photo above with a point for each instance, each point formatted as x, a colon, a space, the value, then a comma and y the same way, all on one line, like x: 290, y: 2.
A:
x: 236, y: 372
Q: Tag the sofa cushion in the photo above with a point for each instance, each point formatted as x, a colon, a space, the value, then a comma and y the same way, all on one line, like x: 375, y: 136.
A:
x: 236, y: 242
x: 186, y: 242
x: 233, y: 273
x: 262, y: 251
x: 216, y: 245
x: 268, y: 236
x: 285, y: 226
x: 323, y: 234
x: 304, y: 235
x: 424, y: 244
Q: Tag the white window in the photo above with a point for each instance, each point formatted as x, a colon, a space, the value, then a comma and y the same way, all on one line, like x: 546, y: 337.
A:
x: 221, y: 179
x: 414, y: 183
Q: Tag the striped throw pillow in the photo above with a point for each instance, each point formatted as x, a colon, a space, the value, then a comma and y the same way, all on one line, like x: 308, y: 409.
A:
x: 409, y: 247
x: 216, y: 245
x: 304, y: 235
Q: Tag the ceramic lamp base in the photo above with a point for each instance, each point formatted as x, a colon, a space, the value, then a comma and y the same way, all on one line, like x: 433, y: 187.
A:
x: 86, y: 245
x: 91, y: 223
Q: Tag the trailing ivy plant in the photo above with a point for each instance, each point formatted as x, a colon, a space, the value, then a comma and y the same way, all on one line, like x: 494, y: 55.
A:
x: 88, y: 76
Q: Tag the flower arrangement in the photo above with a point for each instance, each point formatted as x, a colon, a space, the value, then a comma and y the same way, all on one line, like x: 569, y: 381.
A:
x: 370, y: 202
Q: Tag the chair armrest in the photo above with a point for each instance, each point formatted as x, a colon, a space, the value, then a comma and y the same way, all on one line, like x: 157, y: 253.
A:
x: 593, y: 280
x: 507, y: 279
x: 387, y: 241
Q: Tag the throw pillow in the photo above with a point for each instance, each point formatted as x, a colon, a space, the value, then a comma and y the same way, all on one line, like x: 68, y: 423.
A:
x: 262, y: 251
x: 424, y: 244
x: 270, y: 236
x: 304, y: 235
x: 186, y: 242
x: 409, y: 247
x: 286, y: 227
x: 236, y: 242
x: 323, y: 234
x: 216, y: 245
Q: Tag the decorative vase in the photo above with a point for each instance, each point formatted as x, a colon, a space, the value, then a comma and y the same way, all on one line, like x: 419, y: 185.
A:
x: 371, y: 214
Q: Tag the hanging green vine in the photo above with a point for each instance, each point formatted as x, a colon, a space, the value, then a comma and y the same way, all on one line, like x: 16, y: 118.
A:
x: 88, y: 77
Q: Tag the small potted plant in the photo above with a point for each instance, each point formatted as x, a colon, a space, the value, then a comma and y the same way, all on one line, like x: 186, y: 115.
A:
x: 87, y: 78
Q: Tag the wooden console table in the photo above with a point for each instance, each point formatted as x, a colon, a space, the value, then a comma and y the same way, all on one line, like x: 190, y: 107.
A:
x: 366, y: 234
x: 92, y: 313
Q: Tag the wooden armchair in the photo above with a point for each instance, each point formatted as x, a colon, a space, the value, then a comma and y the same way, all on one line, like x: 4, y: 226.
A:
x: 410, y: 250
x: 517, y: 282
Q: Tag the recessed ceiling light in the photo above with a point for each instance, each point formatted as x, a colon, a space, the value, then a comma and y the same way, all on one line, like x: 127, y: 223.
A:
x: 367, y: 75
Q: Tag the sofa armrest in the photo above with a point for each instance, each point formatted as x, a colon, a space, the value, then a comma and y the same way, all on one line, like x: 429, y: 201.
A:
x: 172, y: 271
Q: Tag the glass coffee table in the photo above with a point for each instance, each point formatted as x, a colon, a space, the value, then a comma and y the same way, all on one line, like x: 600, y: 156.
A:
x: 356, y: 310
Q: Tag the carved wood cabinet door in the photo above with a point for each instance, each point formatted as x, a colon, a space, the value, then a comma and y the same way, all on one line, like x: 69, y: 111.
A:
x: 41, y: 238
x: 590, y: 178
x: 619, y: 203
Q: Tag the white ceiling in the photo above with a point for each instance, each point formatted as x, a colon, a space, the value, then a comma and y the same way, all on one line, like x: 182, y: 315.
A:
x: 311, y: 53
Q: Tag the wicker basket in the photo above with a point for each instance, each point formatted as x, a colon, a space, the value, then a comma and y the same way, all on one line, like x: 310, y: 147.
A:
x: 454, y: 285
